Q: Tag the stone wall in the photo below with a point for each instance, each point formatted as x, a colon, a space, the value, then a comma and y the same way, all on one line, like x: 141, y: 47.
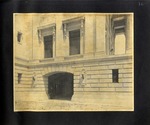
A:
x: 94, y: 61
x: 98, y: 76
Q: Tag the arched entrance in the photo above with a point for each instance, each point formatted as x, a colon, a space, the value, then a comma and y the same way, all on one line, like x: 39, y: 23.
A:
x: 60, y: 86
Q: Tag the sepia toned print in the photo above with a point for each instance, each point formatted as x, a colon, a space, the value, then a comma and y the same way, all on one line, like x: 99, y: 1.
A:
x: 73, y: 62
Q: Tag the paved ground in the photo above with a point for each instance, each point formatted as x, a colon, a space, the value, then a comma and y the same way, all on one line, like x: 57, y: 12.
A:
x: 57, y: 105
x: 79, y: 102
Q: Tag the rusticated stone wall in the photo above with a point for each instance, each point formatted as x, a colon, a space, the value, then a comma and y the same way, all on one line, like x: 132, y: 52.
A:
x: 97, y: 75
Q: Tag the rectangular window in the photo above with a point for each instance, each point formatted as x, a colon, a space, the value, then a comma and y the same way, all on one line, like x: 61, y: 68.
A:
x: 115, y: 76
x: 19, y: 77
x: 74, y: 42
x: 48, y: 46
x: 19, y: 35
x: 119, y: 26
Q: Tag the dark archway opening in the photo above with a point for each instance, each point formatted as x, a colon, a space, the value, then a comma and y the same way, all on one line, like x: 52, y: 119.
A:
x: 60, y: 86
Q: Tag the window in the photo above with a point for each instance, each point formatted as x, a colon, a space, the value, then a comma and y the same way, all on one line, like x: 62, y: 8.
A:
x: 48, y: 46
x: 115, y: 76
x: 74, y: 42
x: 19, y: 36
x: 19, y: 77
x: 116, y: 34
x: 119, y: 24
x: 47, y: 37
x: 73, y: 33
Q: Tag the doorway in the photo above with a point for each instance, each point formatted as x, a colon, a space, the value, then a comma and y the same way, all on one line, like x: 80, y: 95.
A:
x: 60, y: 86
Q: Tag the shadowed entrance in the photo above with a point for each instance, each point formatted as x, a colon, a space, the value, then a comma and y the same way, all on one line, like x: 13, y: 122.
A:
x: 60, y: 86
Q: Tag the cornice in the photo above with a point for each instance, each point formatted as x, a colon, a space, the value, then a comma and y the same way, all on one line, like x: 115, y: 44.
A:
x: 43, y: 63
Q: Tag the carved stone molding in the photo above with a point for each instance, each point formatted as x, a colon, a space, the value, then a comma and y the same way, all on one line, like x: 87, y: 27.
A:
x: 73, y: 24
x: 46, y: 30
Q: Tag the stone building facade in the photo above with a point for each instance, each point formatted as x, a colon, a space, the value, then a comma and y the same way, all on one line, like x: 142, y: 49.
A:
x: 92, y: 53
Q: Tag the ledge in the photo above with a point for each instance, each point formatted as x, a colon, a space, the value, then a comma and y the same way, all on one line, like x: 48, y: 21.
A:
x: 46, y: 60
x: 73, y: 57
x: 46, y: 26
x: 77, y: 59
x: 72, y: 20
x: 21, y: 59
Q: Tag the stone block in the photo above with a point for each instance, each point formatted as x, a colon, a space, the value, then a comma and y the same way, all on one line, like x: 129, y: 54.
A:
x: 91, y: 89
x: 26, y: 82
x: 88, y: 68
x: 124, y: 89
x: 120, y: 75
x: 125, y: 80
x: 129, y: 65
x: 127, y: 85
x: 53, y: 68
x: 76, y: 81
x: 110, y: 76
x: 42, y: 85
x: 115, y: 66
x: 88, y: 76
x: 103, y: 67
x: 77, y: 65
x: 105, y: 80
x: 91, y: 64
x: 124, y: 61
x: 49, y: 69
x: 78, y: 69
x: 26, y: 78
x: 125, y: 70
x: 76, y: 77
x: 92, y: 72
x: 103, y: 85
x: 129, y: 75
x: 94, y: 68
x: 63, y: 68
x: 107, y: 63
x: 40, y: 78
x: 114, y: 85
x: 23, y: 71
x: 107, y: 89
x: 78, y: 89
x: 104, y: 76
x: 95, y: 76
x: 92, y: 81
x: 35, y: 69
x: 105, y: 71
x: 76, y: 85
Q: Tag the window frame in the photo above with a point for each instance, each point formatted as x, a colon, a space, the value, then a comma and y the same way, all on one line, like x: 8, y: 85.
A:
x: 112, y: 31
x: 44, y: 31
x: 115, y: 79
x: 51, y: 43
x: 71, y: 25
x: 70, y: 40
